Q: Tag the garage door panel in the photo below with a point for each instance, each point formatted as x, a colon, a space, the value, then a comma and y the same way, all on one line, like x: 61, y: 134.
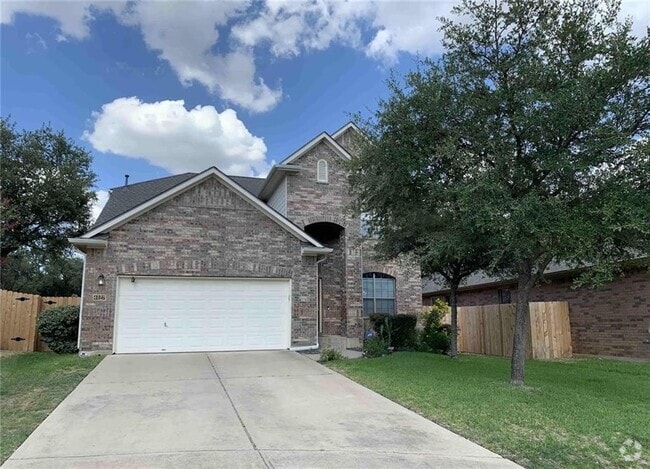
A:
x: 185, y: 314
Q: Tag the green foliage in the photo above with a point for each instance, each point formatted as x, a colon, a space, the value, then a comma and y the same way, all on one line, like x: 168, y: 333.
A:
x: 396, y: 330
x: 330, y: 354
x: 435, y: 336
x: 29, y: 272
x: 573, y: 414
x: 526, y: 143
x: 404, y: 332
x: 46, y: 189
x: 59, y: 328
x: 374, y: 347
x: 33, y: 384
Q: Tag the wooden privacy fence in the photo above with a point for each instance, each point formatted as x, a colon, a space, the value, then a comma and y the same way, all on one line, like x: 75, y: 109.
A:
x: 19, y: 313
x: 489, y: 330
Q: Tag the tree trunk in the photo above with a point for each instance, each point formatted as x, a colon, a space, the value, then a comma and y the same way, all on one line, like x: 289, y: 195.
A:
x: 522, y: 319
x: 453, y: 304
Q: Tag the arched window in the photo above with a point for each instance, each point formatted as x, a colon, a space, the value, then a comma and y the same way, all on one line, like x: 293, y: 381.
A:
x: 378, y: 293
x: 321, y: 171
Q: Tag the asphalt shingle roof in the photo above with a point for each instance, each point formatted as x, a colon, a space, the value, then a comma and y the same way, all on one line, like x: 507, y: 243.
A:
x: 125, y: 198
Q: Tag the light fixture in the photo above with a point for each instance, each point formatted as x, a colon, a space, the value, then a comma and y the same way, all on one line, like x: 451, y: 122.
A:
x: 132, y: 279
x: 100, y: 280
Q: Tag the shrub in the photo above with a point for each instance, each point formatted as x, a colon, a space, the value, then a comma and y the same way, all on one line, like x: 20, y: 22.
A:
x: 374, y: 347
x: 398, y: 331
x: 404, y: 335
x: 59, y: 327
x: 435, y: 335
x: 330, y: 354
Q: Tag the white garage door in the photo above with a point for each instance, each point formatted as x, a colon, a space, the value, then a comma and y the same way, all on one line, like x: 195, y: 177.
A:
x: 196, y: 315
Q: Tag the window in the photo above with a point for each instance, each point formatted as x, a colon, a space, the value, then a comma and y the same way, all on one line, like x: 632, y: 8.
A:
x: 321, y: 171
x: 504, y: 297
x: 378, y: 293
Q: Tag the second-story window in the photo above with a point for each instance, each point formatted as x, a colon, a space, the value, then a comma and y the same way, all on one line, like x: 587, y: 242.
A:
x: 321, y: 171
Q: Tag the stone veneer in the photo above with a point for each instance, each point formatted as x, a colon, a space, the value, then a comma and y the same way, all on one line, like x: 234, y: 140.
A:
x: 611, y: 321
x: 207, y: 231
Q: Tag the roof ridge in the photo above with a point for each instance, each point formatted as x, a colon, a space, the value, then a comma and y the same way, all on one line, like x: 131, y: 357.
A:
x: 151, y: 180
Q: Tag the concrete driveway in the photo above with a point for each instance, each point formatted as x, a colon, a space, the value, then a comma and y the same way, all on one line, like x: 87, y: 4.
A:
x: 245, y: 409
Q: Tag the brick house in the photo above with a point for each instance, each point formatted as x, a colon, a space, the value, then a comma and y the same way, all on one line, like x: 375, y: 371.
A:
x: 210, y: 262
x: 613, y: 320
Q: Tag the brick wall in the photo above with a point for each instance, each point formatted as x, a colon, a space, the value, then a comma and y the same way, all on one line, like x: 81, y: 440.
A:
x: 206, y: 231
x: 609, y: 321
x: 311, y: 202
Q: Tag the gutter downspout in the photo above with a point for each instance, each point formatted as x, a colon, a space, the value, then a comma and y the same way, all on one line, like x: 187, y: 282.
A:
x: 317, y: 346
x: 81, y: 305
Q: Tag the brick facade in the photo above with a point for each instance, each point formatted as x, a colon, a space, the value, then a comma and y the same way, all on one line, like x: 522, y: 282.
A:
x: 609, y: 321
x: 211, y: 231
x: 309, y: 202
x: 207, y: 231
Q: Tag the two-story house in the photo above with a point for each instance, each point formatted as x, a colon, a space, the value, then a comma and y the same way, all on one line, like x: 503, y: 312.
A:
x: 210, y: 262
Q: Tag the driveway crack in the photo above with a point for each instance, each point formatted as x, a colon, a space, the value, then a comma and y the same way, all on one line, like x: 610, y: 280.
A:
x: 250, y: 438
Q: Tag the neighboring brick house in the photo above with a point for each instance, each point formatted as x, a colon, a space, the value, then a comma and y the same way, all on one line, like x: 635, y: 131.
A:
x: 613, y: 320
x: 206, y: 261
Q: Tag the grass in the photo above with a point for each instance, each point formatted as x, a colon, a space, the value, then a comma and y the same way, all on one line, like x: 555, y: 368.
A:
x: 572, y: 413
x: 31, y: 386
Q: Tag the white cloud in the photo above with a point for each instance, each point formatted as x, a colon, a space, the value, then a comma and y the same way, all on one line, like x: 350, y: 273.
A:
x: 98, y: 205
x: 167, y: 135
x: 292, y: 26
x: 187, y: 34
x: 184, y: 36
x: 411, y: 27
x: 72, y: 17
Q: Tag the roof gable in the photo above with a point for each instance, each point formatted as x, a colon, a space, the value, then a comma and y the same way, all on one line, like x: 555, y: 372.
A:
x: 124, y: 198
x: 192, y: 182
x: 323, y: 137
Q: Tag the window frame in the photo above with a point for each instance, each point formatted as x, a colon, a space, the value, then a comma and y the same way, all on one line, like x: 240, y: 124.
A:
x: 326, y: 179
x: 374, y: 276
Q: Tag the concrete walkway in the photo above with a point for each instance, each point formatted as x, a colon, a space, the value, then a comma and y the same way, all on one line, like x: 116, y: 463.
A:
x: 247, y: 409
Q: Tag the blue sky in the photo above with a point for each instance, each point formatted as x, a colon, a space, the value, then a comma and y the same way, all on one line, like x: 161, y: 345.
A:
x: 152, y: 89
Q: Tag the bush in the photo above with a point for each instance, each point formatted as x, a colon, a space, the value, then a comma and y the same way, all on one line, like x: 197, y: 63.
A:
x: 330, y: 354
x: 59, y: 328
x: 404, y: 335
x: 436, y: 342
x: 374, y: 347
x: 435, y: 335
x: 397, y: 331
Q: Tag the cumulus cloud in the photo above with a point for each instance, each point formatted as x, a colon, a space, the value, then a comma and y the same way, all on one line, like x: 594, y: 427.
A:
x: 73, y: 18
x: 188, y: 35
x: 289, y: 27
x: 184, y: 34
x: 98, y: 205
x: 168, y: 135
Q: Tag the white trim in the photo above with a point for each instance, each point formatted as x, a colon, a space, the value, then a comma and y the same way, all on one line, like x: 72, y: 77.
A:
x: 116, y: 309
x: 81, y: 305
x: 310, y: 251
x: 88, y: 243
x: 325, y: 178
x: 338, y: 149
x: 165, y: 196
x: 345, y: 128
x: 274, y: 176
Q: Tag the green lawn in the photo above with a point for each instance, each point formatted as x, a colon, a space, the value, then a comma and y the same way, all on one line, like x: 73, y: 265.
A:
x: 573, y: 413
x: 31, y: 386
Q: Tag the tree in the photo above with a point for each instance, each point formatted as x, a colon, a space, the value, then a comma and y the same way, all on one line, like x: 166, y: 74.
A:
x: 46, y: 185
x: 28, y: 272
x: 546, y: 112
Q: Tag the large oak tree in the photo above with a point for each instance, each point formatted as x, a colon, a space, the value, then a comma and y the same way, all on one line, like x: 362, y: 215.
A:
x: 46, y: 190
x: 535, y: 123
